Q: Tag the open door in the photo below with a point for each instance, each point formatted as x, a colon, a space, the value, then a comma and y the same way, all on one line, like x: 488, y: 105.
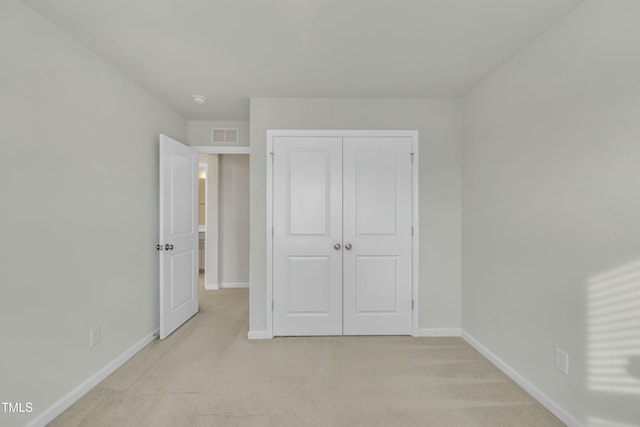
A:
x: 178, y: 248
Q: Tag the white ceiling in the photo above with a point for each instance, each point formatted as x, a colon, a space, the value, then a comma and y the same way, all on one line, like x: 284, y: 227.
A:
x: 231, y: 50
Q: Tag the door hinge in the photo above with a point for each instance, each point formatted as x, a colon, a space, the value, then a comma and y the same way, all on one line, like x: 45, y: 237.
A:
x: 412, y: 231
x: 272, y: 154
x: 411, y: 304
x: 412, y: 157
x: 272, y: 306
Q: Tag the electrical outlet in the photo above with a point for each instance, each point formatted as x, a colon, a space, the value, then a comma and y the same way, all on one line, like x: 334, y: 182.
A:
x: 95, y: 336
x: 562, y: 361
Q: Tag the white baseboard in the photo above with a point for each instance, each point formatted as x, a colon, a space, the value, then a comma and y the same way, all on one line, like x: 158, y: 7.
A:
x: 534, y: 391
x: 258, y: 335
x: 74, y: 395
x: 438, y: 332
x: 231, y: 285
x: 211, y: 286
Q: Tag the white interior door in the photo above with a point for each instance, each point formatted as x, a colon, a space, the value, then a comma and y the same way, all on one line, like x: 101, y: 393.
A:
x: 307, y: 236
x: 178, y: 234
x: 377, y: 222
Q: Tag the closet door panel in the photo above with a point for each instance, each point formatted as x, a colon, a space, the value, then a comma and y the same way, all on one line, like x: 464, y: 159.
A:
x: 375, y: 181
x: 377, y: 235
x: 307, y: 204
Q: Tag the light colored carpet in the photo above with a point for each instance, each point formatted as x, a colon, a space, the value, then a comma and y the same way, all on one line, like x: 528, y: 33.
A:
x: 208, y: 374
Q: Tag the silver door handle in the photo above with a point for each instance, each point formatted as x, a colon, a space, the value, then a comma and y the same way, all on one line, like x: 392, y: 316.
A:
x: 337, y: 246
x: 348, y: 246
x: 168, y: 247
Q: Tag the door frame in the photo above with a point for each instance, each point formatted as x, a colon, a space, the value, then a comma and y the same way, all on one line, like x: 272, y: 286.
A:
x: 415, y: 241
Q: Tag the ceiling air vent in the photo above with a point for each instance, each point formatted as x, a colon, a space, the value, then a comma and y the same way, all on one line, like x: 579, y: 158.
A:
x: 225, y: 135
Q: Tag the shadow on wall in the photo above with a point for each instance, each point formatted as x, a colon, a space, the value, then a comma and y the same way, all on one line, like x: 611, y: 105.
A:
x: 613, y: 336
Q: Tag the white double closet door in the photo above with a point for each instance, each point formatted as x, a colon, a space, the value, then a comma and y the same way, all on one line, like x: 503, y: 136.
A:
x: 342, y: 230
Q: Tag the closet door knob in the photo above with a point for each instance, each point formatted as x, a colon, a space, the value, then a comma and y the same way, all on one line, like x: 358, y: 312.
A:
x: 348, y: 246
x: 337, y: 246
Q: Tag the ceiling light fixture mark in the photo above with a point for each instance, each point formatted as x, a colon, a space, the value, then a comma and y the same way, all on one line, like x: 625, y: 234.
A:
x: 199, y: 99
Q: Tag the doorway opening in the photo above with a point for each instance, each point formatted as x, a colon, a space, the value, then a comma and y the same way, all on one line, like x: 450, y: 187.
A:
x: 223, y: 220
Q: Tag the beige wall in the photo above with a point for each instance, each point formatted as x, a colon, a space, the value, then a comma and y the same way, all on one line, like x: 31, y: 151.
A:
x: 438, y: 122
x: 551, y: 202
x: 78, y: 184
x: 234, y: 219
